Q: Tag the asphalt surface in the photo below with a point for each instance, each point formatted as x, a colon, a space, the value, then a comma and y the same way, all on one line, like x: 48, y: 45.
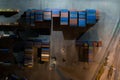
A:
x: 112, y: 68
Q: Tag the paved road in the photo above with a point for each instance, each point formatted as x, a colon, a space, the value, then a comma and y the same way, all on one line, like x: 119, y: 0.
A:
x: 111, y: 71
x: 117, y: 62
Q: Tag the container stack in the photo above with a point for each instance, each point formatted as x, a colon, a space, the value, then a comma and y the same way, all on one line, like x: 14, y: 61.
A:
x: 45, y: 51
x: 95, y: 47
x: 28, y: 15
x: 38, y: 15
x: 90, y: 53
x: 28, y: 57
x: 4, y: 50
x: 55, y: 13
x: 95, y: 44
x: 29, y: 43
x: 47, y: 14
x: 32, y: 16
x: 28, y: 54
x: 64, y: 17
x: 91, y: 16
x: 43, y: 45
x: 97, y: 14
x: 82, y: 19
x: 73, y: 18
x: 99, y: 43
x: 6, y: 56
x: 37, y: 43
x: 85, y: 51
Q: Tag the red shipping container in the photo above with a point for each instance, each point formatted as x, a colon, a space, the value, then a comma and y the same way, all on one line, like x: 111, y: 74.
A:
x: 73, y: 21
x: 95, y: 44
x: 99, y: 43
x: 64, y: 14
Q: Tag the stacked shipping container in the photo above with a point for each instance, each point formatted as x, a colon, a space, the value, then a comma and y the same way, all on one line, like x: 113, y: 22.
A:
x: 73, y: 18
x: 32, y: 17
x: 91, y: 16
x: 28, y: 54
x: 37, y: 43
x: 28, y: 14
x: 28, y: 57
x: 90, y: 53
x: 55, y: 13
x: 82, y: 19
x: 45, y: 48
x: 64, y: 17
x: 88, y: 49
x: 38, y: 15
x: 45, y: 51
x: 97, y: 14
x: 47, y: 14
x: 6, y: 57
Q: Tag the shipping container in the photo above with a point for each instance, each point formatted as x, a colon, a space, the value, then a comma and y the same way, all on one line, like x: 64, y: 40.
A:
x: 82, y: 14
x: 73, y: 18
x: 32, y: 17
x: 91, y: 16
x: 37, y: 43
x: 55, y: 13
x: 97, y: 14
x: 47, y: 14
x: 64, y: 17
x: 99, y: 43
x: 38, y: 15
x: 82, y: 23
x: 90, y: 54
x: 28, y: 57
x: 45, y: 57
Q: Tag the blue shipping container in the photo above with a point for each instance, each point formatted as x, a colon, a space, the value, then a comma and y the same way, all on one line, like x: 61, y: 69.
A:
x: 91, y: 21
x: 82, y: 15
x: 45, y: 48
x: 91, y: 17
x: 91, y: 10
x: 73, y: 14
x: 39, y: 12
x: 47, y: 9
x: 55, y: 11
x: 47, y: 16
x: 64, y: 10
x: 39, y: 18
x: 63, y: 18
x: 82, y: 22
